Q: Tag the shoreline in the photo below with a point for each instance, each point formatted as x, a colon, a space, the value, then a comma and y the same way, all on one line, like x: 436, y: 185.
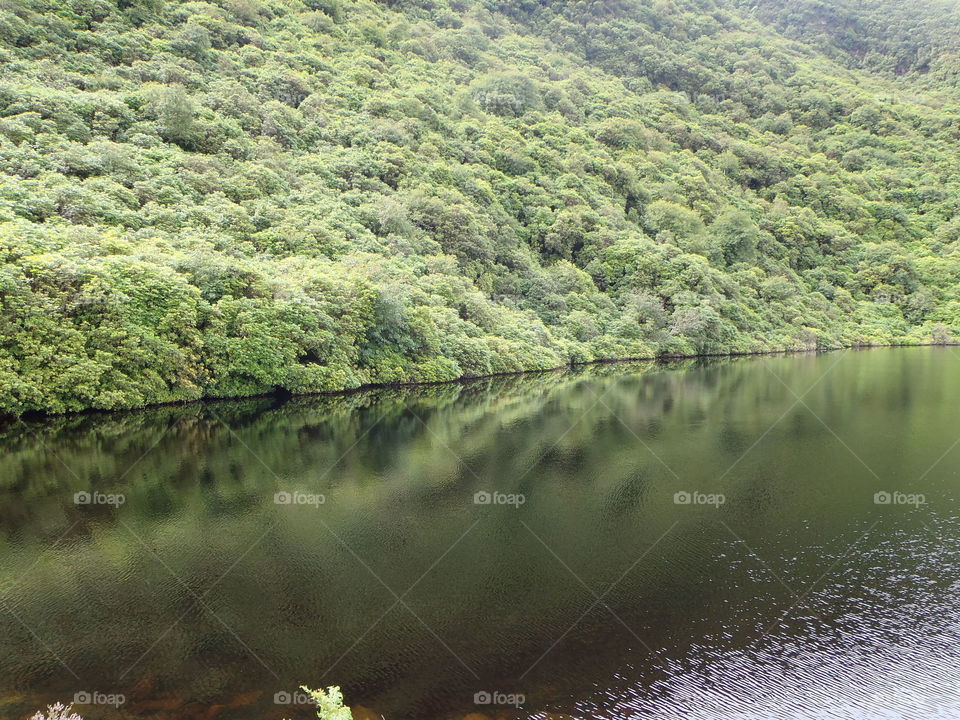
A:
x: 38, y: 415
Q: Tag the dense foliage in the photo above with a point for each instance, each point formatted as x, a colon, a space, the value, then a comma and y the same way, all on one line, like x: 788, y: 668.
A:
x: 230, y: 197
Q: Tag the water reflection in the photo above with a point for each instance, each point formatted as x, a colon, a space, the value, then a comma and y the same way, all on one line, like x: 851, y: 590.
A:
x: 598, y: 596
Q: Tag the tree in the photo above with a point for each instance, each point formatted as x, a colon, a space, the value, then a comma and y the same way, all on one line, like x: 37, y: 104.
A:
x: 175, y: 111
x: 737, y: 235
x: 509, y: 94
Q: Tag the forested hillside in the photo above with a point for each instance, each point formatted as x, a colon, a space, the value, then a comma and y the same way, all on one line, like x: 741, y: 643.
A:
x: 231, y: 197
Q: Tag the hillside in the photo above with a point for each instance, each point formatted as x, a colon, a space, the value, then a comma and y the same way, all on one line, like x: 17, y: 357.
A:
x: 229, y: 198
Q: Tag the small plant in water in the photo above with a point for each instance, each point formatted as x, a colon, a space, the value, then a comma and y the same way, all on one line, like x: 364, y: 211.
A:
x: 329, y: 703
x: 58, y: 711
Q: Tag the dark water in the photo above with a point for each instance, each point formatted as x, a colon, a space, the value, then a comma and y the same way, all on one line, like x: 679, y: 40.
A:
x: 600, y: 596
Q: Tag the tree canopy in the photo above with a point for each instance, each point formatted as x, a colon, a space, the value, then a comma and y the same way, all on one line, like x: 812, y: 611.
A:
x: 230, y: 197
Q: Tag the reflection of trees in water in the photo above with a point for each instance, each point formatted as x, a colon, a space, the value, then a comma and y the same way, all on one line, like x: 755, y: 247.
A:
x: 207, y: 441
x: 399, y: 495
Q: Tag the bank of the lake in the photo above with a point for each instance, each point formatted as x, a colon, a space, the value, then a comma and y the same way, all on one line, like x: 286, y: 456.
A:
x: 663, y: 358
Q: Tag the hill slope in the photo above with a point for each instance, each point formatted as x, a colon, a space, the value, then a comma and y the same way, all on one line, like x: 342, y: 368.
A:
x: 227, y: 198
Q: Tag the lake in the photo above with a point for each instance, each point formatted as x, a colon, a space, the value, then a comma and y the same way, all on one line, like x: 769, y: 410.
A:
x: 770, y: 537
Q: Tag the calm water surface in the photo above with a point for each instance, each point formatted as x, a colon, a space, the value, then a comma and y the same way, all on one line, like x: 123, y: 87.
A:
x: 700, y: 540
